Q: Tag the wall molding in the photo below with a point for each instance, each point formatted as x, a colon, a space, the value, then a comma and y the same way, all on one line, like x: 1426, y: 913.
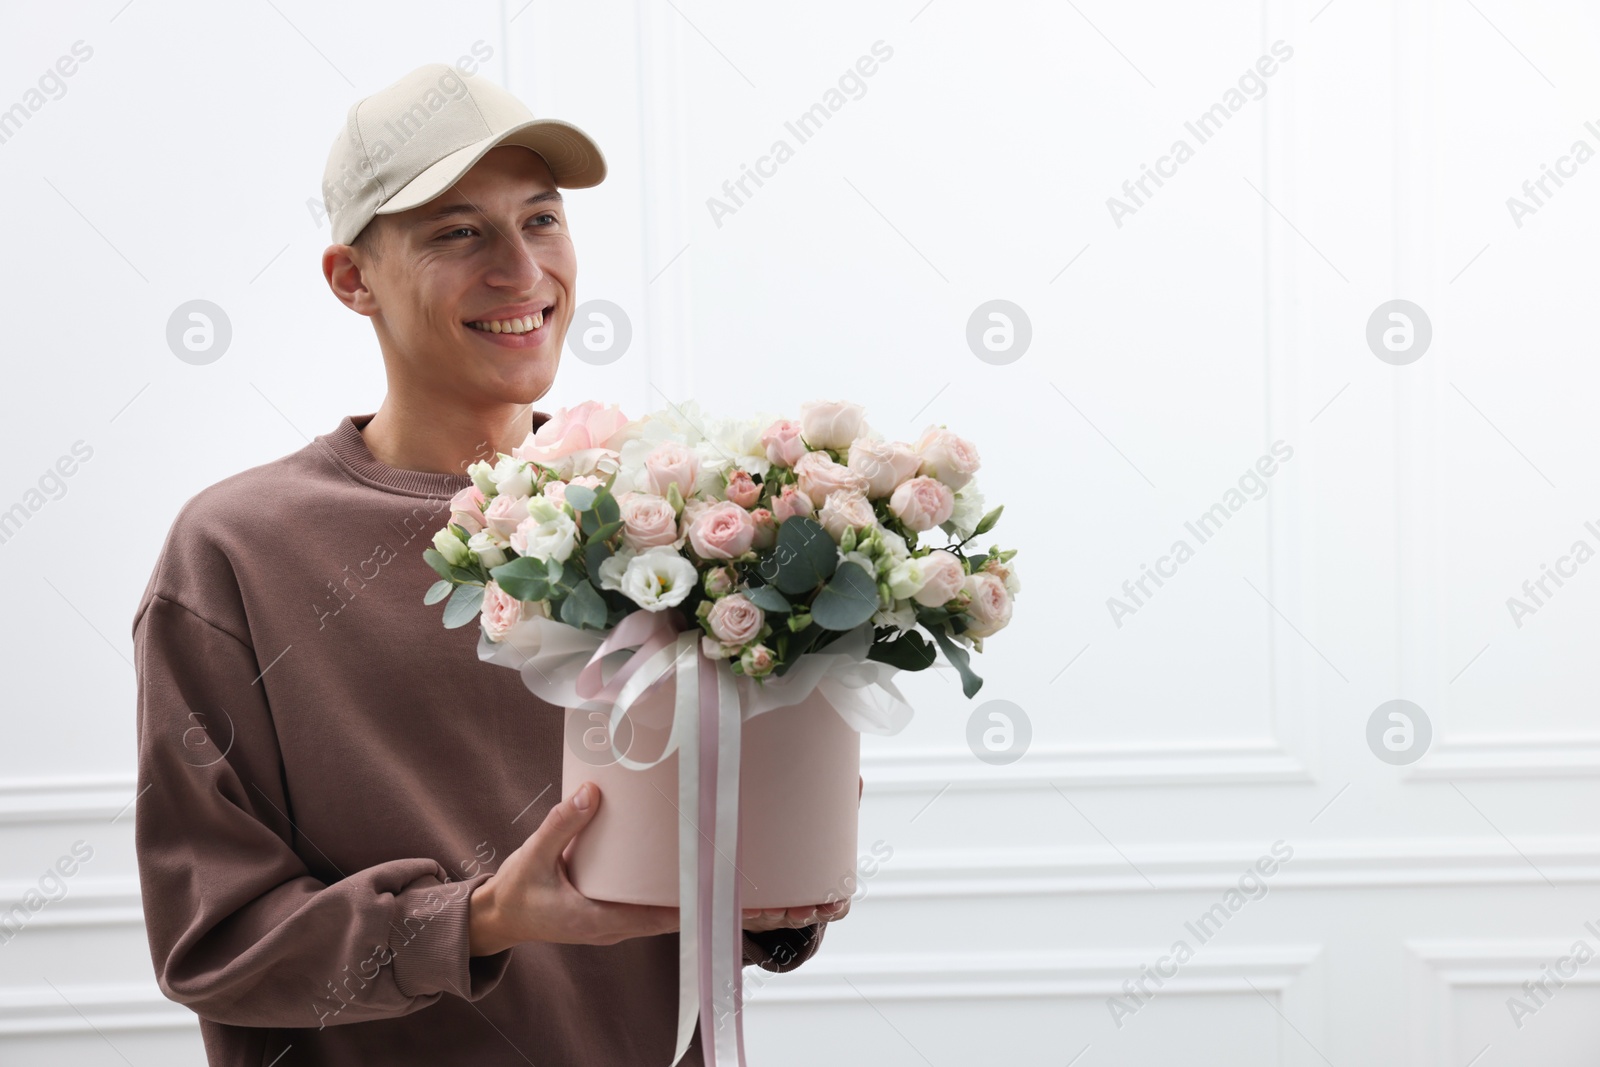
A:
x: 67, y: 798
x: 1438, y: 968
x: 1231, y: 763
x: 1511, y: 757
x: 848, y: 977
x: 84, y: 1008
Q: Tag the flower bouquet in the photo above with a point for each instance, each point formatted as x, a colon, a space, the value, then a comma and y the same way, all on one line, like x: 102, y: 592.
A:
x: 721, y: 606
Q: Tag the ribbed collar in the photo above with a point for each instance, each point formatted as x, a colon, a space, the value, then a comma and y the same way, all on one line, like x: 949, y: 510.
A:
x: 349, y: 449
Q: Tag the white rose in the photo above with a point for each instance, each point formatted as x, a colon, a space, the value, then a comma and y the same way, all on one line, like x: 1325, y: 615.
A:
x: 489, y: 546
x: 547, y: 533
x: 831, y: 423
x: 450, y: 547
x: 482, y: 475
x: 658, y: 579
x: 512, y: 476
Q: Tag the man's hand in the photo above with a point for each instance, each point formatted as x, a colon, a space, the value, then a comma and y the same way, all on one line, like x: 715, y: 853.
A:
x: 530, y: 898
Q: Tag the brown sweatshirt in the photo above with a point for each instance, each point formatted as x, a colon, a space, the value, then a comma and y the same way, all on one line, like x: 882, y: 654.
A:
x: 327, y: 773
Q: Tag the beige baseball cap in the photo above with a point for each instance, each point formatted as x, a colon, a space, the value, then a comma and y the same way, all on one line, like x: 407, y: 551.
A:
x: 404, y: 145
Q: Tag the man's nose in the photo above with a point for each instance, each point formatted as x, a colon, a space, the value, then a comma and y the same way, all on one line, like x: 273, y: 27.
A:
x: 516, y: 265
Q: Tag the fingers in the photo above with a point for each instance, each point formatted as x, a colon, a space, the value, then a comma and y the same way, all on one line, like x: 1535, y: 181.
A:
x: 563, y: 823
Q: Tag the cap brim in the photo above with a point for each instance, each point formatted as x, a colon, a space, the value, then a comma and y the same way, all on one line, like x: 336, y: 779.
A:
x: 575, y: 161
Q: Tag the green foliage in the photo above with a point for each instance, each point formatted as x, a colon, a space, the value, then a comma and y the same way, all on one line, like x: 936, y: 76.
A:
x: 849, y: 599
x: 462, y: 607
x: 803, y: 557
x: 525, y: 578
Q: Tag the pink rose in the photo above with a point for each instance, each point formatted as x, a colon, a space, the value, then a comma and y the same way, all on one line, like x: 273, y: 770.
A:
x: 648, y: 521
x: 943, y: 578
x: 846, y: 510
x: 831, y: 423
x: 742, y: 489
x: 734, y: 620
x: 719, y: 581
x: 782, y: 442
x: 884, y: 464
x: 819, y: 475
x: 791, y: 502
x: 757, y: 660
x: 990, y: 607
x: 922, y: 503
x: 466, y: 509
x: 766, y: 529
x: 557, y: 490
x: 505, y: 513
x: 501, y: 611
x: 722, y: 530
x: 672, y: 462
x: 571, y: 431
x: 951, y: 459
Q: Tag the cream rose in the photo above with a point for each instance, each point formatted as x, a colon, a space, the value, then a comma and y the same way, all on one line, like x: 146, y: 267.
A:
x: 845, y: 510
x: 790, y: 502
x: 884, y: 464
x: 502, y: 611
x: 648, y: 521
x: 734, y: 620
x: 466, y: 509
x: 951, y: 459
x: 505, y: 513
x: 831, y: 423
x: 990, y: 609
x: 819, y: 475
x: 930, y: 580
x: 742, y: 489
x: 671, y: 462
x: 723, y: 530
x: 782, y: 442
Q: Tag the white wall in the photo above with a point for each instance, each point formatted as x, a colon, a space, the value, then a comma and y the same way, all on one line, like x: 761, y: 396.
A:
x: 1168, y: 353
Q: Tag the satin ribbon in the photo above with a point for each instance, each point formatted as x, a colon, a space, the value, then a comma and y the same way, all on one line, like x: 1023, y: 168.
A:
x: 567, y: 666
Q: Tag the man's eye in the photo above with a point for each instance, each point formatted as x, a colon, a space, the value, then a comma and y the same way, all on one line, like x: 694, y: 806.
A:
x: 546, y: 215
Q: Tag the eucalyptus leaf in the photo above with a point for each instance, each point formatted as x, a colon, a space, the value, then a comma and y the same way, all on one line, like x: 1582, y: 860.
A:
x: 594, y: 554
x: 581, y: 497
x: 583, y: 608
x: 605, y: 531
x: 910, y: 652
x: 970, y: 683
x: 803, y: 557
x: 525, y: 578
x: 849, y: 599
x: 606, y: 506
x: 767, y: 598
x: 437, y: 592
x: 434, y: 559
x: 462, y: 607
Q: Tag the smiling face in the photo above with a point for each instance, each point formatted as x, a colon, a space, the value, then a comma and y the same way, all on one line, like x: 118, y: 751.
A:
x: 454, y: 285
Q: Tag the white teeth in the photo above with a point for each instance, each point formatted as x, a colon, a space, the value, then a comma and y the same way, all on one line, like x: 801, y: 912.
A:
x: 526, y: 324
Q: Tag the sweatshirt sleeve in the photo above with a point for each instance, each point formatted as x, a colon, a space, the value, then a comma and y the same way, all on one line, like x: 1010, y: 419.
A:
x: 783, y: 950
x: 239, y: 928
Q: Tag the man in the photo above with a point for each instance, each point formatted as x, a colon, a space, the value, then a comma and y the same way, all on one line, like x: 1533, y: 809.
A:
x: 333, y: 832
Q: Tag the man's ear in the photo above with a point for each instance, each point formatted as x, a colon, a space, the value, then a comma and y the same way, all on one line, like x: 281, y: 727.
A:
x: 345, y: 278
